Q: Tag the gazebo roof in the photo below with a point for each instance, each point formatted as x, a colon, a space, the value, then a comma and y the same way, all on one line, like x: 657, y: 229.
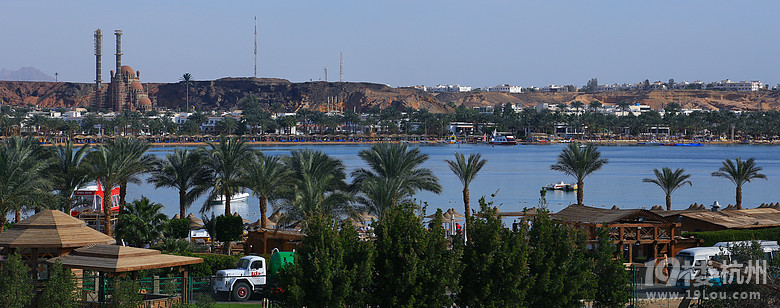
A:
x: 116, y: 259
x: 52, y: 229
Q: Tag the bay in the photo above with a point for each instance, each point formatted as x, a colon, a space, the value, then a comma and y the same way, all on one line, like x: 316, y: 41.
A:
x: 515, y: 174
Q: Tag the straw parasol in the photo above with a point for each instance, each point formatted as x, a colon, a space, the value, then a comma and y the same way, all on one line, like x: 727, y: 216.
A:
x: 257, y: 224
x: 365, y: 216
x: 176, y: 216
x: 244, y: 220
x: 195, y: 222
x: 117, y: 259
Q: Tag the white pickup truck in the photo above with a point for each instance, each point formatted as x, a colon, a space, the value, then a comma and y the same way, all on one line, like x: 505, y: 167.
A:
x: 252, y: 275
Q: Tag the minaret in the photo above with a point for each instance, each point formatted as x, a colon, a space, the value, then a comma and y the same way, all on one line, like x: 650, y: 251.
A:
x: 98, y: 67
x: 118, y: 34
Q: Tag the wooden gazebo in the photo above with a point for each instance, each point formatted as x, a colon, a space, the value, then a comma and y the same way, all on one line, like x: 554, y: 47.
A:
x: 113, y: 261
x: 49, y: 234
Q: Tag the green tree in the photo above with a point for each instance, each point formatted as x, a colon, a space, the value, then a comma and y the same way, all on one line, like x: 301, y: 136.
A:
x: 397, y: 164
x: 579, y: 162
x: 178, y: 228
x: 613, y: 286
x: 466, y: 170
x: 414, y: 266
x: 226, y: 161
x: 319, y: 186
x: 187, y: 80
x: 495, y: 263
x: 67, y: 173
x: 268, y: 179
x: 141, y: 222
x: 669, y: 181
x: 559, y: 271
x: 577, y: 105
x: 183, y: 170
x: 594, y: 105
x: 22, y: 180
x: 135, y: 162
x: 739, y: 172
x: 60, y: 290
x: 17, y: 288
x: 228, y: 228
x: 331, y: 269
x: 127, y: 294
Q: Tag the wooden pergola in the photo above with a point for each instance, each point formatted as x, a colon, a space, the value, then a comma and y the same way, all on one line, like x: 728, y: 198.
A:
x: 116, y: 261
x: 49, y: 234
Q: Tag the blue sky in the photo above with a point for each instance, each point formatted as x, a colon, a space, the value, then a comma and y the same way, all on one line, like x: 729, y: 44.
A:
x: 476, y: 43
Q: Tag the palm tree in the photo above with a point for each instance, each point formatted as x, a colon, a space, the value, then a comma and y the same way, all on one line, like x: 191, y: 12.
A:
x: 109, y: 168
x: 466, y: 170
x: 267, y: 177
x: 68, y: 173
x: 22, y: 182
x: 141, y: 222
x: 577, y: 105
x: 579, y: 162
x: 669, y: 181
x: 183, y: 171
x: 739, y: 173
x: 380, y: 194
x: 318, y: 186
x: 136, y: 162
x: 396, y: 163
x: 187, y: 79
x: 226, y: 161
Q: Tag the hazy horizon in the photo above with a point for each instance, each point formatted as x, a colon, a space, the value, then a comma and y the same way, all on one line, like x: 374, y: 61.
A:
x: 401, y: 43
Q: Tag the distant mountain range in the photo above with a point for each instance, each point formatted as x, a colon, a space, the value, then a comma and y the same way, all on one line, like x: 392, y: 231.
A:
x: 27, y: 73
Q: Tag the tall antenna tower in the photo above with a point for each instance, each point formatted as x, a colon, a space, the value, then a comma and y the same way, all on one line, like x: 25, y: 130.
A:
x: 341, y: 67
x: 326, y: 73
x: 255, y: 75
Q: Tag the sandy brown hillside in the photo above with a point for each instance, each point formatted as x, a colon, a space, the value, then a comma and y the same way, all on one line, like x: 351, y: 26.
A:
x: 226, y: 93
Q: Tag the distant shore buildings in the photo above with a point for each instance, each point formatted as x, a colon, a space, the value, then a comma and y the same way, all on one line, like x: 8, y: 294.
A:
x: 722, y: 85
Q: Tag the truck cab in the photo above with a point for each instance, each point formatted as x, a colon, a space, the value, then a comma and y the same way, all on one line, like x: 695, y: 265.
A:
x: 252, y: 275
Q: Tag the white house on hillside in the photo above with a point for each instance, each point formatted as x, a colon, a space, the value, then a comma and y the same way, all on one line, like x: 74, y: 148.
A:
x: 506, y: 88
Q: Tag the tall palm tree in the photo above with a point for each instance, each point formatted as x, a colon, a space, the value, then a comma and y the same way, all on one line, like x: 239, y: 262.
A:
x: 109, y: 168
x: 579, y: 162
x: 377, y: 195
x: 739, y: 172
x: 22, y: 182
x: 669, y: 181
x: 397, y: 164
x: 137, y: 162
x: 68, y: 172
x: 268, y: 178
x: 183, y: 171
x: 226, y: 161
x: 141, y: 222
x: 319, y: 186
x: 187, y: 79
x: 466, y: 169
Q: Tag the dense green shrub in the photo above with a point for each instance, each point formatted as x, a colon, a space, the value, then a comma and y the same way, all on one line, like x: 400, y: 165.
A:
x: 16, y: 285
x: 178, y: 228
x: 712, y: 237
x: 60, y: 290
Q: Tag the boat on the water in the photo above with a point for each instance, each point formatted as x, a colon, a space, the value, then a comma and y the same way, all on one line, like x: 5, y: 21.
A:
x: 452, y: 139
x: 561, y: 186
x: 90, y: 199
x: 499, y: 139
x: 238, y: 197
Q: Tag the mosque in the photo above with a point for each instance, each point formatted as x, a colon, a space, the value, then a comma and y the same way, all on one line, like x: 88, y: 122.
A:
x: 125, y: 92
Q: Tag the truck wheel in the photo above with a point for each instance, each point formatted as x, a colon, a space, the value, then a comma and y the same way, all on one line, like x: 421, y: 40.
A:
x: 241, y: 291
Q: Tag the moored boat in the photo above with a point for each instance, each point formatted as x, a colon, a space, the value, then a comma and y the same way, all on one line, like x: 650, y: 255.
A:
x: 499, y: 139
x: 561, y: 186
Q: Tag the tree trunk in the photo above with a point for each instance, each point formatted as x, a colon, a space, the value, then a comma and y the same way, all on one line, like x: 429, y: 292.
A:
x: 668, y: 202
x: 18, y: 215
x: 182, y: 195
x: 122, y: 192
x: 226, y: 196
x: 468, y: 213
x: 580, y: 191
x: 107, y: 210
x: 263, y: 209
x: 739, y: 197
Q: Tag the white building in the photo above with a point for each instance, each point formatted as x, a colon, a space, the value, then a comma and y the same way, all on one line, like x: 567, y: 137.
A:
x: 554, y: 88
x: 742, y: 86
x: 448, y: 88
x: 506, y: 88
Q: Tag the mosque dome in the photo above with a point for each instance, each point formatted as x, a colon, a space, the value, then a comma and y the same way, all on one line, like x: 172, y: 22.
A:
x: 127, y: 70
x: 136, y: 86
x: 145, y: 101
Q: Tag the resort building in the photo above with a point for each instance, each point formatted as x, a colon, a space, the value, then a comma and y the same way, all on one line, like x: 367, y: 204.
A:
x: 742, y: 86
x: 506, y: 88
x: 447, y: 88
x: 762, y: 217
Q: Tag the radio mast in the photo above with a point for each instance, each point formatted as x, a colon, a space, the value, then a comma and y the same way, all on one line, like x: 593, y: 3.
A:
x: 255, y: 75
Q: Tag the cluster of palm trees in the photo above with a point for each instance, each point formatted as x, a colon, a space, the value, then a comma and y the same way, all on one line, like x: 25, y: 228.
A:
x: 579, y: 161
x: 302, y: 184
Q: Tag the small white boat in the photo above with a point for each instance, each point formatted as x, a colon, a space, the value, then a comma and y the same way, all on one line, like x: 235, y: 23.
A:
x: 239, y: 197
x: 499, y: 139
x: 561, y: 186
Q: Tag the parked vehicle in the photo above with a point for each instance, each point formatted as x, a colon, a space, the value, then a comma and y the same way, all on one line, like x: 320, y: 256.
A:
x: 252, y: 275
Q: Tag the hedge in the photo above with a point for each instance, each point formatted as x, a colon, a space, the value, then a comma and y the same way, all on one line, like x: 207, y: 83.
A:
x: 712, y: 237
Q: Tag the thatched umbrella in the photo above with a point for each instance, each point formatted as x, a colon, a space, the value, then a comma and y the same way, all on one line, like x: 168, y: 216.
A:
x: 195, y: 222
x: 176, y: 217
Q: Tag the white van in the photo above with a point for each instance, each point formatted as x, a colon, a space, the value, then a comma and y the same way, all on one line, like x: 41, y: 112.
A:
x: 692, y: 260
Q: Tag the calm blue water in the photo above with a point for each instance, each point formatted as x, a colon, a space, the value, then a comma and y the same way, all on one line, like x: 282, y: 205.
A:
x: 516, y: 173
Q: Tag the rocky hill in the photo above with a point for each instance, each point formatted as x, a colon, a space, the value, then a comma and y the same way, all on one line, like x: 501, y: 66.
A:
x: 226, y: 93
x: 27, y: 73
